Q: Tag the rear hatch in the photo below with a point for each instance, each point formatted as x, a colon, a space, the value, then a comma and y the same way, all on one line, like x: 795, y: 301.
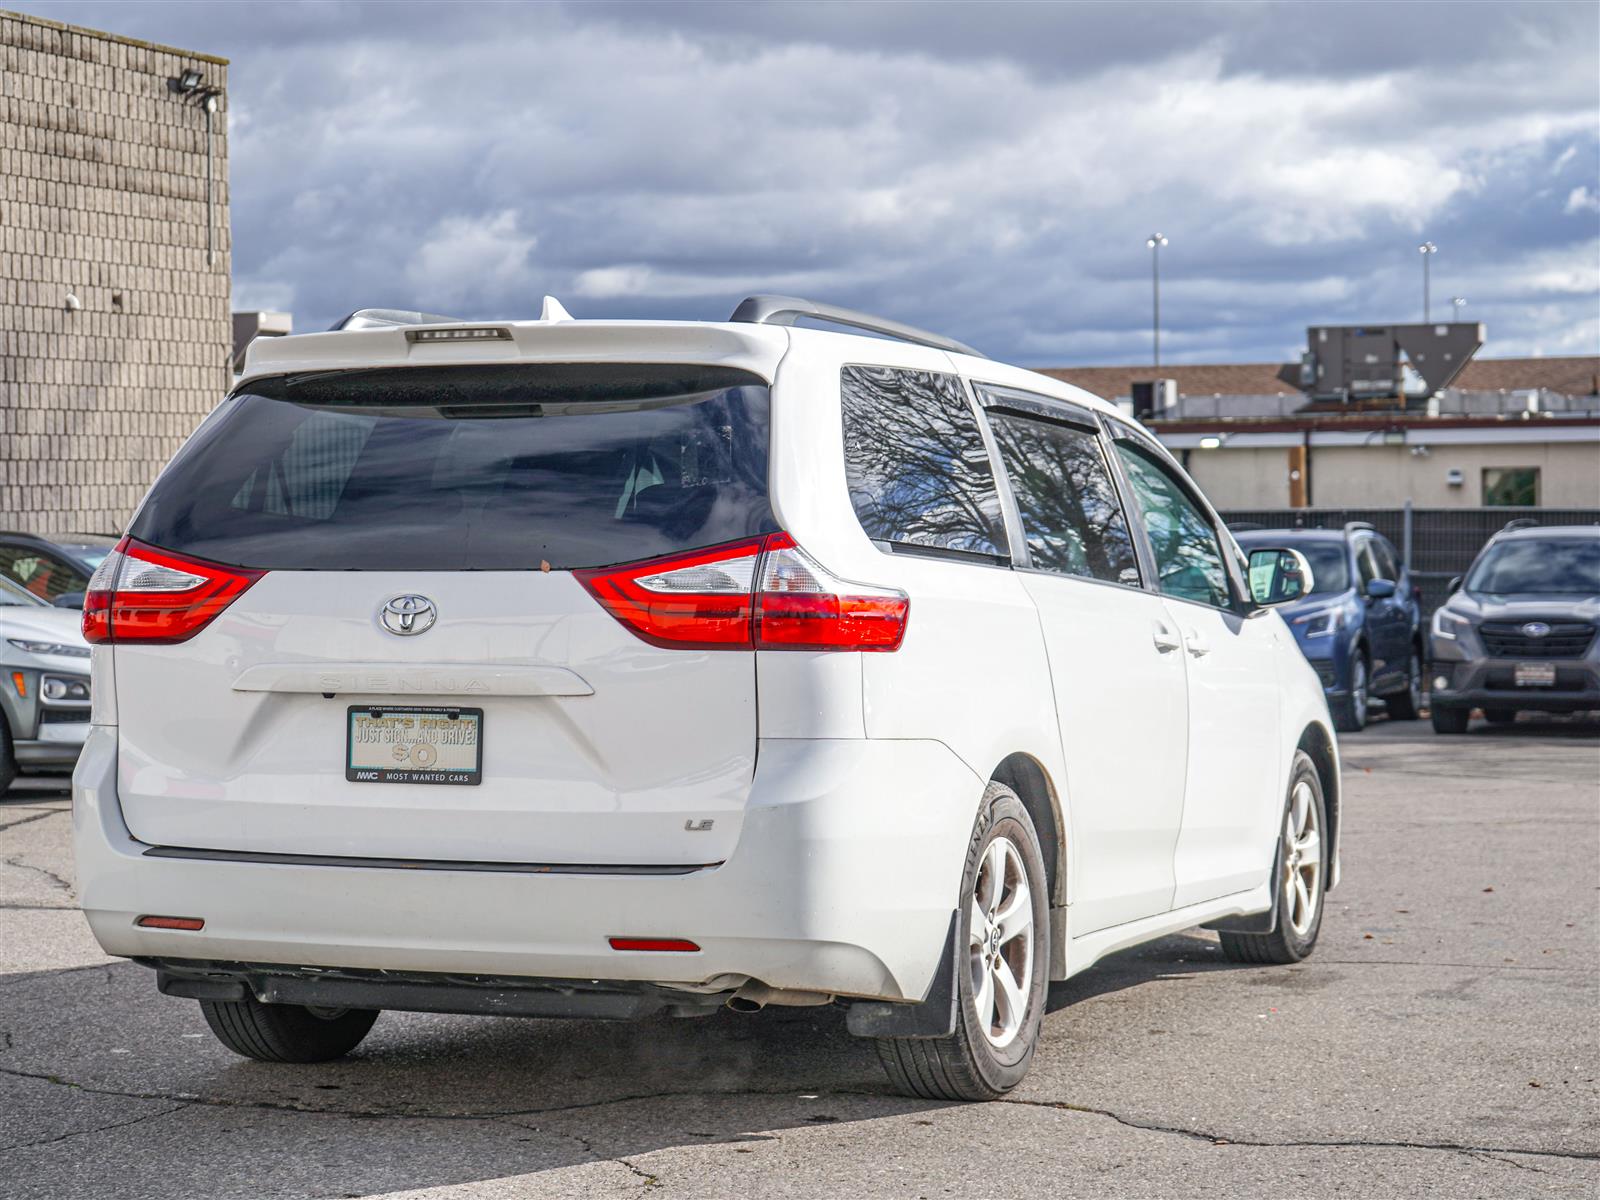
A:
x: 407, y: 538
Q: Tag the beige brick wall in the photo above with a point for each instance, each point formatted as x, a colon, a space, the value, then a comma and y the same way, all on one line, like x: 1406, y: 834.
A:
x: 103, y: 196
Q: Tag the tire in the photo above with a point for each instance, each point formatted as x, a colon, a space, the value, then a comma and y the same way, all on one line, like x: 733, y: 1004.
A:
x: 1406, y: 704
x: 1350, y: 710
x: 1450, y: 720
x: 988, y: 1054
x: 8, y: 758
x: 1500, y: 716
x: 1302, y: 876
x: 286, y: 1033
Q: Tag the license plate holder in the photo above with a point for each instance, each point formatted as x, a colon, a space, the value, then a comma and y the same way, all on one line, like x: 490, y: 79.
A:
x: 413, y: 744
x: 1534, y: 674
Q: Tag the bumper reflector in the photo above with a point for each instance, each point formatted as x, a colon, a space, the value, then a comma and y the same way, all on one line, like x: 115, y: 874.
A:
x: 189, y: 923
x: 678, y: 945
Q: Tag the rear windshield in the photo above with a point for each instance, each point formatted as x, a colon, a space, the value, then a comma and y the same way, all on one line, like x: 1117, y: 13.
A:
x: 503, y: 467
x: 1539, y: 567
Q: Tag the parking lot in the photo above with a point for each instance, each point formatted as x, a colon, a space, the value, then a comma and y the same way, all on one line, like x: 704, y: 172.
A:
x: 1443, y: 1041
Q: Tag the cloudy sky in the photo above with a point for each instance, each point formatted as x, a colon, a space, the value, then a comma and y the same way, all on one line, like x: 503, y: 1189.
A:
x: 989, y: 170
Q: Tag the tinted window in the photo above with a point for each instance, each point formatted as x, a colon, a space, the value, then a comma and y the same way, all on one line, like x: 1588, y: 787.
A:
x: 45, y: 575
x: 1069, y: 508
x: 915, y: 462
x: 1330, y: 565
x: 15, y: 595
x: 1388, y: 566
x: 470, y: 468
x: 1188, y: 559
x: 1539, y: 566
x: 1367, y: 561
x: 1511, y: 486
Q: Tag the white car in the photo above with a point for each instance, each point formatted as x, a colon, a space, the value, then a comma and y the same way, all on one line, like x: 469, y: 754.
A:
x: 44, y: 685
x: 604, y: 668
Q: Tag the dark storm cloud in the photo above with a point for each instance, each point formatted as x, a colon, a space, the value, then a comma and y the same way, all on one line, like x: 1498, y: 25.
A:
x: 987, y: 169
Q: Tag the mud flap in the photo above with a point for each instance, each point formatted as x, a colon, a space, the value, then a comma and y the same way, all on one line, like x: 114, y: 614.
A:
x: 934, y: 1016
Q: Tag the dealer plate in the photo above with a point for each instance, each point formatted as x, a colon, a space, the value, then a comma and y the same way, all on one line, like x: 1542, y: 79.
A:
x: 1534, y: 674
x: 386, y: 744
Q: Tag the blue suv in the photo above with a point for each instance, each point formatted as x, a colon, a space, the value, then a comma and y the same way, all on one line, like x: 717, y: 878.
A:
x: 1360, y: 626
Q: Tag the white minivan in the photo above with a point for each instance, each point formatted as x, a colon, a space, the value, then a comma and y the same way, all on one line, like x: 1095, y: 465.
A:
x: 618, y: 669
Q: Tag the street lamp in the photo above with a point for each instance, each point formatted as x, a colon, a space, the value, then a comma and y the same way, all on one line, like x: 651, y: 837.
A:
x: 1427, y: 250
x: 1458, y: 303
x: 191, y: 86
x: 1155, y: 241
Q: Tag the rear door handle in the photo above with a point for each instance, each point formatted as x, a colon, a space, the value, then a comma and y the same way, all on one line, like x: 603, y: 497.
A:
x: 1166, y: 641
x: 1197, y: 643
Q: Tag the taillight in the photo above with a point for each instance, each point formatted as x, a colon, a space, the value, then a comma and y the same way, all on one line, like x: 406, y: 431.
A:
x: 142, y: 594
x: 760, y: 593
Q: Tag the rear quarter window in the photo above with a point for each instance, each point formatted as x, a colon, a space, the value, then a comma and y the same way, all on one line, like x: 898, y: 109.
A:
x: 504, y: 467
x: 918, y: 472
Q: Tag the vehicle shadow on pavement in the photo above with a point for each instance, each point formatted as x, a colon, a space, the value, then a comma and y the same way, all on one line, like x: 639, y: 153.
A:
x: 86, y: 1052
x: 1177, y: 957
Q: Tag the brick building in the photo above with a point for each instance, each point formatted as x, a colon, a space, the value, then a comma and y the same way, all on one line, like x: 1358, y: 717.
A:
x: 115, y: 332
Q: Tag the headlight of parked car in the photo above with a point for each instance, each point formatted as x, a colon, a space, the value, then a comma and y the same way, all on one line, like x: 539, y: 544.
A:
x: 53, y: 687
x: 1324, y: 623
x: 1447, y: 625
x: 50, y: 648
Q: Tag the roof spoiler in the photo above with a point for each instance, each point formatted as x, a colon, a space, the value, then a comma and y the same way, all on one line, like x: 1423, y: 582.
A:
x: 789, y: 310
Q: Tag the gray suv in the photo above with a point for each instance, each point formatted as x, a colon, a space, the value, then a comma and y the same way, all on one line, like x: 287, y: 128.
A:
x: 1518, y: 631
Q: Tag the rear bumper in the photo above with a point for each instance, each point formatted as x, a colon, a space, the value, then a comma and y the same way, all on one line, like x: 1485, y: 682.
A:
x: 847, y: 869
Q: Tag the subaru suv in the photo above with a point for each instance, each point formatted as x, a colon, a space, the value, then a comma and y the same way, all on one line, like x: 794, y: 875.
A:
x: 1518, y: 632
x: 609, y: 669
x: 1361, y: 626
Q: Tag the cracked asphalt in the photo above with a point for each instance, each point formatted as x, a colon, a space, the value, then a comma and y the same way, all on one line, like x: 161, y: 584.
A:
x: 1443, y: 1041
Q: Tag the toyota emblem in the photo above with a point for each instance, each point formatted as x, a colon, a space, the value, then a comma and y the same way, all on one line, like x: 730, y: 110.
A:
x: 1536, y: 629
x: 408, y: 614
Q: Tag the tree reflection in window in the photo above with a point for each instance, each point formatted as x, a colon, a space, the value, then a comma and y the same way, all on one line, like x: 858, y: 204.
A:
x: 1188, y: 559
x: 915, y: 462
x: 1069, y: 507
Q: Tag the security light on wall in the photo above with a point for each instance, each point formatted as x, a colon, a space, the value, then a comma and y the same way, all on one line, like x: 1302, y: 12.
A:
x: 1455, y: 477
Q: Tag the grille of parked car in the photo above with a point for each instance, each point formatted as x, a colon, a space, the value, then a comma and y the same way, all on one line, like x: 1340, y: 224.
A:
x: 1566, y: 639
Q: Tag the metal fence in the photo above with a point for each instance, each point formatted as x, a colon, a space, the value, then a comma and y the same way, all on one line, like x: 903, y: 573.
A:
x: 1436, y: 543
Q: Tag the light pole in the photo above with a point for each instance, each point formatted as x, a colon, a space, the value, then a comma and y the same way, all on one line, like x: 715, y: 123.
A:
x: 1427, y: 250
x: 1458, y: 303
x: 1155, y: 241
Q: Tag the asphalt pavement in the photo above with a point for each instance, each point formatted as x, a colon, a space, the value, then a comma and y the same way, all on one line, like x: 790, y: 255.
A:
x: 1444, y: 1041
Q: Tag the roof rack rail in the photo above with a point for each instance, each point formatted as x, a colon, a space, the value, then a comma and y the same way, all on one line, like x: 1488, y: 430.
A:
x: 787, y: 310
x: 389, y: 318
x: 1520, y: 523
x: 1353, y: 525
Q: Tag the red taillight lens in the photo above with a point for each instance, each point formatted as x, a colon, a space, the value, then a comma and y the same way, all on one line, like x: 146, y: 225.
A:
x: 759, y: 593
x: 667, y: 945
x: 142, y: 594
x: 192, y: 924
x: 695, y: 601
x: 800, y: 605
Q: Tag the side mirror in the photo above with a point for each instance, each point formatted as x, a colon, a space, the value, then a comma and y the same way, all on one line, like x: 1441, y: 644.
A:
x: 68, y: 600
x: 1380, y: 589
x: 1454, y: 585
x: 1279, y: 575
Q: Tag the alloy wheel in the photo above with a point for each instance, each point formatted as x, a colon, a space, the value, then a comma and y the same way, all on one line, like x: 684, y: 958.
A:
x: 1000, y: 942
x: 1302, y: 860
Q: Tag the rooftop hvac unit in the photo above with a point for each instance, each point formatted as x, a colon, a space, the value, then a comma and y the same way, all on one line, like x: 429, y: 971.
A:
x: 1154, y: 398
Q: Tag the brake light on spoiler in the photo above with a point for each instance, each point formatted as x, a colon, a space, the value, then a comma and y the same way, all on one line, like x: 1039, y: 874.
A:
x: 760, y: 593
x: 157, y: 597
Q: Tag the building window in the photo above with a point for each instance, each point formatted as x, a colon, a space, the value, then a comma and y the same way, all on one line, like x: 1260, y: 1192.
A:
x: 1510, y: 487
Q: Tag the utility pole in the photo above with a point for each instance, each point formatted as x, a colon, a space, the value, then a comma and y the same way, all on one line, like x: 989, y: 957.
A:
x: 1155, y: 241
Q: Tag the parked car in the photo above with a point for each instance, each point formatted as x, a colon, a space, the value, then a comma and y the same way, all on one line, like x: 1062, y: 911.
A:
x: 55, y: 570
x: 583, y: 668
x: 1518, y: 631
x: 1361, y: 625
x: 44, y: 685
